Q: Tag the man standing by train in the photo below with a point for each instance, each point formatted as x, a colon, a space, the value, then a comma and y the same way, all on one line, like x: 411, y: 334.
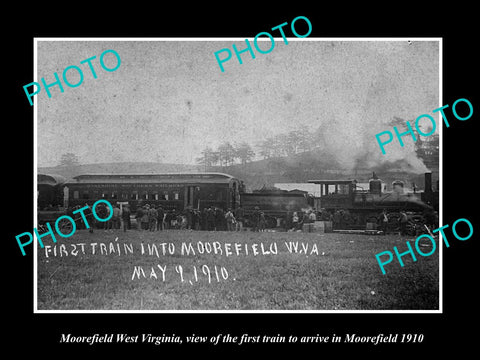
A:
x: 152, y: 218
x: 403, y: 223
x: 255, y: 218
x: 219, y: 219
x: 126, y: 217
x: 384, y: 221
x: 160, y: 216
x: 210, y: 219
x: 116, y: 217
x: 189, y: 216
x: 144, y: 220
x: 240, y: 218
x: 138, y: 217
x: 230, y: 219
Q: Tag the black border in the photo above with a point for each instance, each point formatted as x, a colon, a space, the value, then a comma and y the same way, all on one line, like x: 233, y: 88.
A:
x: 455, y: 25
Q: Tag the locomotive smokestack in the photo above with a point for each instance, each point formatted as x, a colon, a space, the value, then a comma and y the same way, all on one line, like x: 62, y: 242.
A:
x: 428, y: 182
x: 375, y: 185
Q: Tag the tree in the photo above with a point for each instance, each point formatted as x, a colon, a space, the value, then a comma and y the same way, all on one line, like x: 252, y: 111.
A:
x: 206, y: 158
x: 265, y: 149
x: 292, y: 142
x: 277, y: 144
x: 306, y: 140
x: 319, y: 137
x: 215, y: 158
x: 286, y: 144
x: 244, y: 152
x: 69, y: 159
x: 226, y: 153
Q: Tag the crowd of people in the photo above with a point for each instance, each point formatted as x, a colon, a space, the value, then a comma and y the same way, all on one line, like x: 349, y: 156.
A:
x: 407, y: 226
x: 156, y: 218
x: 151, y: 217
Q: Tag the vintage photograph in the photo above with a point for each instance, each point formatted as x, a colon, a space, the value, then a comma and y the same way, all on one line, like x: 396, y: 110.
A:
x: 165, y: 184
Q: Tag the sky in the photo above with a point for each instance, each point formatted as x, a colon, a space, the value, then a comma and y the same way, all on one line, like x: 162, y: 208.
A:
x: 168, y: 100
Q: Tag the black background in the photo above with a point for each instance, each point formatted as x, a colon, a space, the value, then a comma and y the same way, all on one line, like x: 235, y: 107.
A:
x: 454, y: 329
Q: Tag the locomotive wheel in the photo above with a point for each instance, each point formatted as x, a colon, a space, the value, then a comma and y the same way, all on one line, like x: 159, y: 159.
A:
x: 411, y: 228
x: 417, y: 224
x: 65, y: 226
x: 393, y: 222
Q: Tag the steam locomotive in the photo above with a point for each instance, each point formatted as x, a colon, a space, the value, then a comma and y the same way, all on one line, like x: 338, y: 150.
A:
x: 360, y: 207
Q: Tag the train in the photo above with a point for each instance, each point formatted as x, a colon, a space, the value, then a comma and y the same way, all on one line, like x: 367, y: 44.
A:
x: 172, y: 191
x: 177, y: 192
x: 275, y: 204
x: 358, y: 207
x: 50, y: 191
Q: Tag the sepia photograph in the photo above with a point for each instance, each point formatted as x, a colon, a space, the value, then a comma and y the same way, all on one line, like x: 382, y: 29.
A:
x: 237, y: 175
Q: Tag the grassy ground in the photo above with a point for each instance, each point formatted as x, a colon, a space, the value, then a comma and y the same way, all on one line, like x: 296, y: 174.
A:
x: 344, y: 275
